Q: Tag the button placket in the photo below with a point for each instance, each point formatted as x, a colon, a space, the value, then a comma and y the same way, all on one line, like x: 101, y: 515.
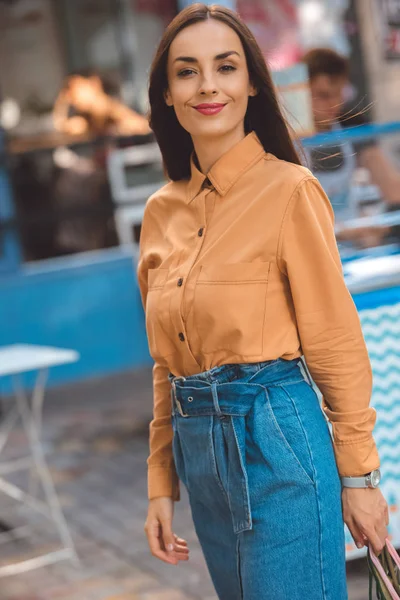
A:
x: 181, y: 282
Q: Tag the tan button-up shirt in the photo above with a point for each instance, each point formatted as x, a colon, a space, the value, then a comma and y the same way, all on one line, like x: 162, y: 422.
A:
x: 243, y: 266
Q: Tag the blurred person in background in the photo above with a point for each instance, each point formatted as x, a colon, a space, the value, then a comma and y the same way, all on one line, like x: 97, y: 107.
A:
x: 240, y: 275
x: 335, y: 165
x: 329, y: 78
x: 83, y: 106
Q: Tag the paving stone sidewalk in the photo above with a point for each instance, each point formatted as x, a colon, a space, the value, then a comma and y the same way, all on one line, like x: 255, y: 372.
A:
x: 95, y: 439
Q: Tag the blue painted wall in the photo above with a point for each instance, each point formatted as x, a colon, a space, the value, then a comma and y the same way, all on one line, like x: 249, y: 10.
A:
x: 9, y: 243
x: 89, y: 302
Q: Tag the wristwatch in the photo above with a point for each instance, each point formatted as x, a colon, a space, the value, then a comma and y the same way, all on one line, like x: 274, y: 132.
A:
x: 371, y: 480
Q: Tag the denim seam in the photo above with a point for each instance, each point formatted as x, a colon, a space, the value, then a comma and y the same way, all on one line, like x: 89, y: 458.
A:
x: 320, y: 541
x: 266, y: 367
x: 304, y: 431
x: 214, y: 462
x: 207, y: 412
x: 214, y: 394
x: 317, y: 497
x: 297, y: 381
x: 177, y: 447
x: 245, y: 484
x: 238, y: 566
x: 286, y: 443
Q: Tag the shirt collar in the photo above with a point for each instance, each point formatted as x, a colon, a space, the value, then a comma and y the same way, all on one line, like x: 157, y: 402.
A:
x: 228, y: 168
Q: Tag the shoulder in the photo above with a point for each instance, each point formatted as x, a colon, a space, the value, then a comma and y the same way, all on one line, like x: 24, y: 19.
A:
x: 297, y: 186
x: 283, y: 180
x: 290, y: 174
x: 164, y: 197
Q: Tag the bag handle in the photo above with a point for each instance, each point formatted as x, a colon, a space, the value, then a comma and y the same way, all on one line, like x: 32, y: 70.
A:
x: 377, y: 568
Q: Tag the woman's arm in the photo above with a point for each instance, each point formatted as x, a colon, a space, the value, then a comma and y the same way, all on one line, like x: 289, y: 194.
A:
x: 329, y: 326
x: 162, y: 477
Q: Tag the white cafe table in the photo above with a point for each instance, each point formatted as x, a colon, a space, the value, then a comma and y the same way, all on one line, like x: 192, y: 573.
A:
x: 14, y: 361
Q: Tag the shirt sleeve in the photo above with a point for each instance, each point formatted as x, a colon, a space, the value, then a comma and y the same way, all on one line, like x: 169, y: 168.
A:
x: 329, y: 327
x: 162, y: 478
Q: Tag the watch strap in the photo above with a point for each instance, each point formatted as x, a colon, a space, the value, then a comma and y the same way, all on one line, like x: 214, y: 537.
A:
x: 355, y: 482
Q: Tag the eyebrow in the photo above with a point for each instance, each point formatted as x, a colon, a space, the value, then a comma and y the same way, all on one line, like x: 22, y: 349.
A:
x: 191, y: 59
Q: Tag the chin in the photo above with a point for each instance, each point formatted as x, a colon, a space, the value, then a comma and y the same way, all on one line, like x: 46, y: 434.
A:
x: 217, y: 128
x: 211, y: 131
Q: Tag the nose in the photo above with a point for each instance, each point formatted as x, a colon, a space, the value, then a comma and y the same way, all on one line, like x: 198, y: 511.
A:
x: 208, y: 87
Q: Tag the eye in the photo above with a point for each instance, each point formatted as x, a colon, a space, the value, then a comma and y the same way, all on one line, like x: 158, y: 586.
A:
x: 227, y: 68
x: 185, y: 72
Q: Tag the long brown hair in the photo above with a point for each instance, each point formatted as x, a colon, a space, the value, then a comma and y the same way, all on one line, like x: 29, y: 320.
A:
x: 263, y: 114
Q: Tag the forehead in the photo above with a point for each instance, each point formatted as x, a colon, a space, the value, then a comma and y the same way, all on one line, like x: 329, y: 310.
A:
x: 328, y: 83
x: 205, y: 39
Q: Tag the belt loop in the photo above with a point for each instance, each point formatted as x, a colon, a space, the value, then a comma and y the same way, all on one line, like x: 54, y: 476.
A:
x: 215, y: 398
x: 177, y: 403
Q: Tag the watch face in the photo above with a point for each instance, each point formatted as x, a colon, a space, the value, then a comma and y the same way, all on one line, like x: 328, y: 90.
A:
x: 375, y: 477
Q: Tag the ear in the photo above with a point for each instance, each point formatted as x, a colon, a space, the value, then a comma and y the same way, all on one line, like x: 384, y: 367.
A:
x: 252, y: 90
x: 167, y: 98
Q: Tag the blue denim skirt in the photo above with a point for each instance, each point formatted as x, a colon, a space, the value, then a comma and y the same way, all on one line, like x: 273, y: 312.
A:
x: 253, y: 448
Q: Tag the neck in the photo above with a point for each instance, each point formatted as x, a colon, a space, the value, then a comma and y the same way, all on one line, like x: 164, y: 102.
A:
x: 209, y: 149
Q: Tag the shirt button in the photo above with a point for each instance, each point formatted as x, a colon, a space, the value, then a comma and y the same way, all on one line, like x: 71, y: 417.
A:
x: 181, y: 337
x: 200, y: 232
x: 180, y: 281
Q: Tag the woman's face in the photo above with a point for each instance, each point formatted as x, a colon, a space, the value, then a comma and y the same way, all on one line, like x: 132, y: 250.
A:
x: 208, y: 80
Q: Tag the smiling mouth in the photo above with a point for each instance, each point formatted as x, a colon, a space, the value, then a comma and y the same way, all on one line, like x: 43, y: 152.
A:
x: 209, y: 108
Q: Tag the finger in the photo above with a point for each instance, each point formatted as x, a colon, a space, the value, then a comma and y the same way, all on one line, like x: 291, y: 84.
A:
x: 387, y: 515
x: 180, y: 540
x: 376, y: 541
x: 179, y: 552
x: 154, y: 540
x: 181, y: 555
x: 382, y: 534
x: 176, y: 554
x: 356, y: 534
x: 181, y: 549
x: 168, y: 535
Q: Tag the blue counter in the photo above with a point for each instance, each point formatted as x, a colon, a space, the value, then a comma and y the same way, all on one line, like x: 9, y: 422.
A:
x: 88, y: 302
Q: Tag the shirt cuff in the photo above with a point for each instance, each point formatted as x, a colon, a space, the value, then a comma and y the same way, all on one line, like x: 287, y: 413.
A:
x: 163, y: 481
x: 354, y: 459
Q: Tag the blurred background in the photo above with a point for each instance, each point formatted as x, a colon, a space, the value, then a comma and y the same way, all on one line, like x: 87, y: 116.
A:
x: 77, y: 164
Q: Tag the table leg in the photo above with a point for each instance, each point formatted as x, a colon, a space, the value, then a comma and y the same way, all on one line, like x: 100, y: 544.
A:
x: 31, y: 427
x: 37, y: 412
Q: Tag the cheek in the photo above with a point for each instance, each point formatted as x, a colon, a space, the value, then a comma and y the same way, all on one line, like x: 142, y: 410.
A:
x: 179, y: 91
x: 237, y: 89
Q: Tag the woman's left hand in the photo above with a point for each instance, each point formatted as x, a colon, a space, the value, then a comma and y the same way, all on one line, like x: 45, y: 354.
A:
x: 366, y: 514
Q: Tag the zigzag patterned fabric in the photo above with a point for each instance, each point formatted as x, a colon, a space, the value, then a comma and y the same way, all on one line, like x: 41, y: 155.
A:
x: 381, y: 328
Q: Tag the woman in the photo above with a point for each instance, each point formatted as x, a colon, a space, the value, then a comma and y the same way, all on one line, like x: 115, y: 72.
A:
x: 240, y: 275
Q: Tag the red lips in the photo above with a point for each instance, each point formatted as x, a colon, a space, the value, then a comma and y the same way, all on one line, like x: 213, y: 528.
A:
x: 209, y: 108
x: 209, y: 105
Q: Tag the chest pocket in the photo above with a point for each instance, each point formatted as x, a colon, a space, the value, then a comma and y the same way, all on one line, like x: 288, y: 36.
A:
x: 229, y: 307
x: 157, y: 316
